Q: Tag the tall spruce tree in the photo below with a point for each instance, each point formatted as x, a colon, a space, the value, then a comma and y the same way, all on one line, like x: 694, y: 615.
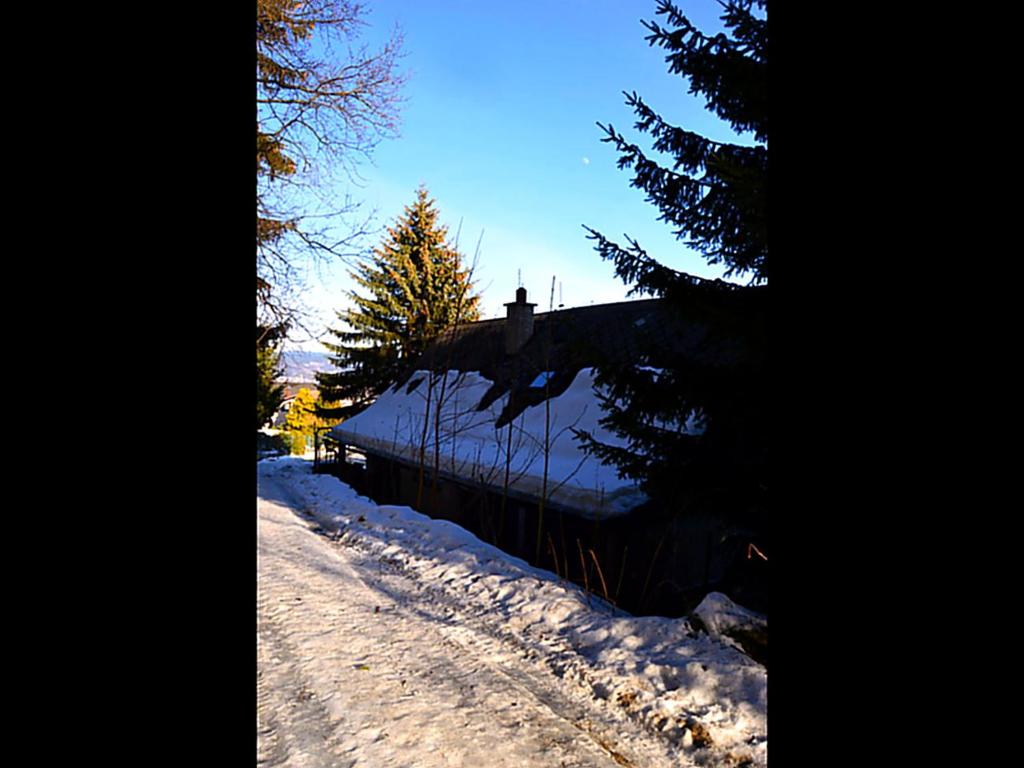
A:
x: 714, y: 195
x: 415, y: 287
x: 269, y: 393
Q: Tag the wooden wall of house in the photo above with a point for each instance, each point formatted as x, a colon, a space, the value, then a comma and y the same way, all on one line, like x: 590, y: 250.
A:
x: 652, y: 562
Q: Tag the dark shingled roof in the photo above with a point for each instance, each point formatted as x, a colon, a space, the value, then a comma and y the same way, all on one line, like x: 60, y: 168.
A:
x: 645, y: 332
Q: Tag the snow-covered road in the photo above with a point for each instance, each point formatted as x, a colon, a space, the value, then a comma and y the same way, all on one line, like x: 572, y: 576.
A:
x: 372, y: 654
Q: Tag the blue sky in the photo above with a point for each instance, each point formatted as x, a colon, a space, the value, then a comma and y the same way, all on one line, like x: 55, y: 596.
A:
x: 499, y: 122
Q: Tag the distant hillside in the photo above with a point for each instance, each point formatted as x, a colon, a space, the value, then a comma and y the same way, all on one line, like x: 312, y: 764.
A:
x: 300, y: 366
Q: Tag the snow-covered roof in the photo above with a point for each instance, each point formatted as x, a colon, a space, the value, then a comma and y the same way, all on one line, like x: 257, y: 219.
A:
x: 486, y: 389
x: 472, y: 446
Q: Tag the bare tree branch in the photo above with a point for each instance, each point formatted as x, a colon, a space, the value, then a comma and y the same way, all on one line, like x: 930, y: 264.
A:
x: 322, y: 107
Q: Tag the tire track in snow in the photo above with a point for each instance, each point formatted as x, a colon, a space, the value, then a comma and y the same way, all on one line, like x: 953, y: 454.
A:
x: 433, y: 669
x: 541, y: 673
x: 292, y: 726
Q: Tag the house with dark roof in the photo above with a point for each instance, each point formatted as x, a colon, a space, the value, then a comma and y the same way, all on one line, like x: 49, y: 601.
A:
x: 481, y: 430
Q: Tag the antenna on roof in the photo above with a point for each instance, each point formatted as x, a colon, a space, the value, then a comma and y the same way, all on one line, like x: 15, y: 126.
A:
x: 551, y: 301
x: 519, y: 278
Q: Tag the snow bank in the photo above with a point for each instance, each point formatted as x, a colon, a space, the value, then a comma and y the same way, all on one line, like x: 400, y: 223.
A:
x: 471, y: 447
x: 733, y: 624
x: 694, y: 689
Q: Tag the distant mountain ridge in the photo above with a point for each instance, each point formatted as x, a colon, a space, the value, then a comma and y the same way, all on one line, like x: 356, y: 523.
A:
x: 300, y: 366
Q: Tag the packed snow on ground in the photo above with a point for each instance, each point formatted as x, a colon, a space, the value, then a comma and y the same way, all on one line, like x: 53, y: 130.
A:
x: 527, y: 669
x: 471, y: 446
